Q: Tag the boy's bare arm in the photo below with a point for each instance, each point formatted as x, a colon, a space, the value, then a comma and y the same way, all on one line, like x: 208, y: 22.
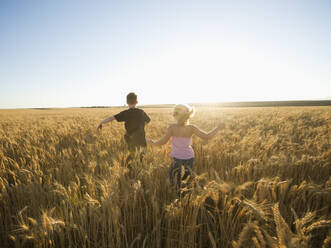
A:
x: 109, y: 119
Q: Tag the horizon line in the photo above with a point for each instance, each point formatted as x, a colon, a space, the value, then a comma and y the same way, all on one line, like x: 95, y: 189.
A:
x: 267, y: 103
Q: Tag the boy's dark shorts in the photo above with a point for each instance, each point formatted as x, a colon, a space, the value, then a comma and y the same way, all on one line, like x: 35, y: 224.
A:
x: 134, y: 143
x: 133, y: 147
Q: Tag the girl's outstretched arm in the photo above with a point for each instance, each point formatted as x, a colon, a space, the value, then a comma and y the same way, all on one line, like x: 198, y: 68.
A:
x: 163, y: 140
x: 203, y: 135
x: 109, y: 119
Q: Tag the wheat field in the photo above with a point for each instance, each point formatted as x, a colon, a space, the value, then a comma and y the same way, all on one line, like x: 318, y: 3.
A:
x: 264, y: 181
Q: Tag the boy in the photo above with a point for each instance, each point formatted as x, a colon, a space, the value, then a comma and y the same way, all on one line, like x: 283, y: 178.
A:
x: 134, y: 121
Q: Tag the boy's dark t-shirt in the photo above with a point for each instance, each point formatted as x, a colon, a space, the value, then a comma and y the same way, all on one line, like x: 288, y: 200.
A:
x: 135, y: 120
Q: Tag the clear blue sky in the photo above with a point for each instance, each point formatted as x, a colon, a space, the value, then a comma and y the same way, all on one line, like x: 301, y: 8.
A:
x: 73, y: 53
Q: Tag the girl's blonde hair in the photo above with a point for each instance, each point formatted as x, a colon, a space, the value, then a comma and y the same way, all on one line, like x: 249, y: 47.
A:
x: 183, y: 112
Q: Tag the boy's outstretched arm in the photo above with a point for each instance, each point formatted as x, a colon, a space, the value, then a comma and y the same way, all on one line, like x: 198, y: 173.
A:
x: 203, y: 135
x: 109, y: 119
x: 161, y: 141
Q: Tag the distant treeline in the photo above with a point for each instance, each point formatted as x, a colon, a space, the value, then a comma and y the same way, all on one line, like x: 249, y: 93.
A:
x: 272, y: 103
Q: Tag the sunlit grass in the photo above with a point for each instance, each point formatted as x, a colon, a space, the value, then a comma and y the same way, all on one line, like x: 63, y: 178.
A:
x: 262, y: 182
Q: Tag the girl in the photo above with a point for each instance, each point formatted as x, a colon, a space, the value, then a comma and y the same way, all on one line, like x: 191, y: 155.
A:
x: 181, y: 134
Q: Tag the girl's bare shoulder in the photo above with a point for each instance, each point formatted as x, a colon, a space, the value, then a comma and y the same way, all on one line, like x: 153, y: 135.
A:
x: 172, y: 128
x: 194, y: 128
x: 188, y: 130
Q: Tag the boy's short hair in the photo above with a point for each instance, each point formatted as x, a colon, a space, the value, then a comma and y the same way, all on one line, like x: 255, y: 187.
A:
x: 131, y: 98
